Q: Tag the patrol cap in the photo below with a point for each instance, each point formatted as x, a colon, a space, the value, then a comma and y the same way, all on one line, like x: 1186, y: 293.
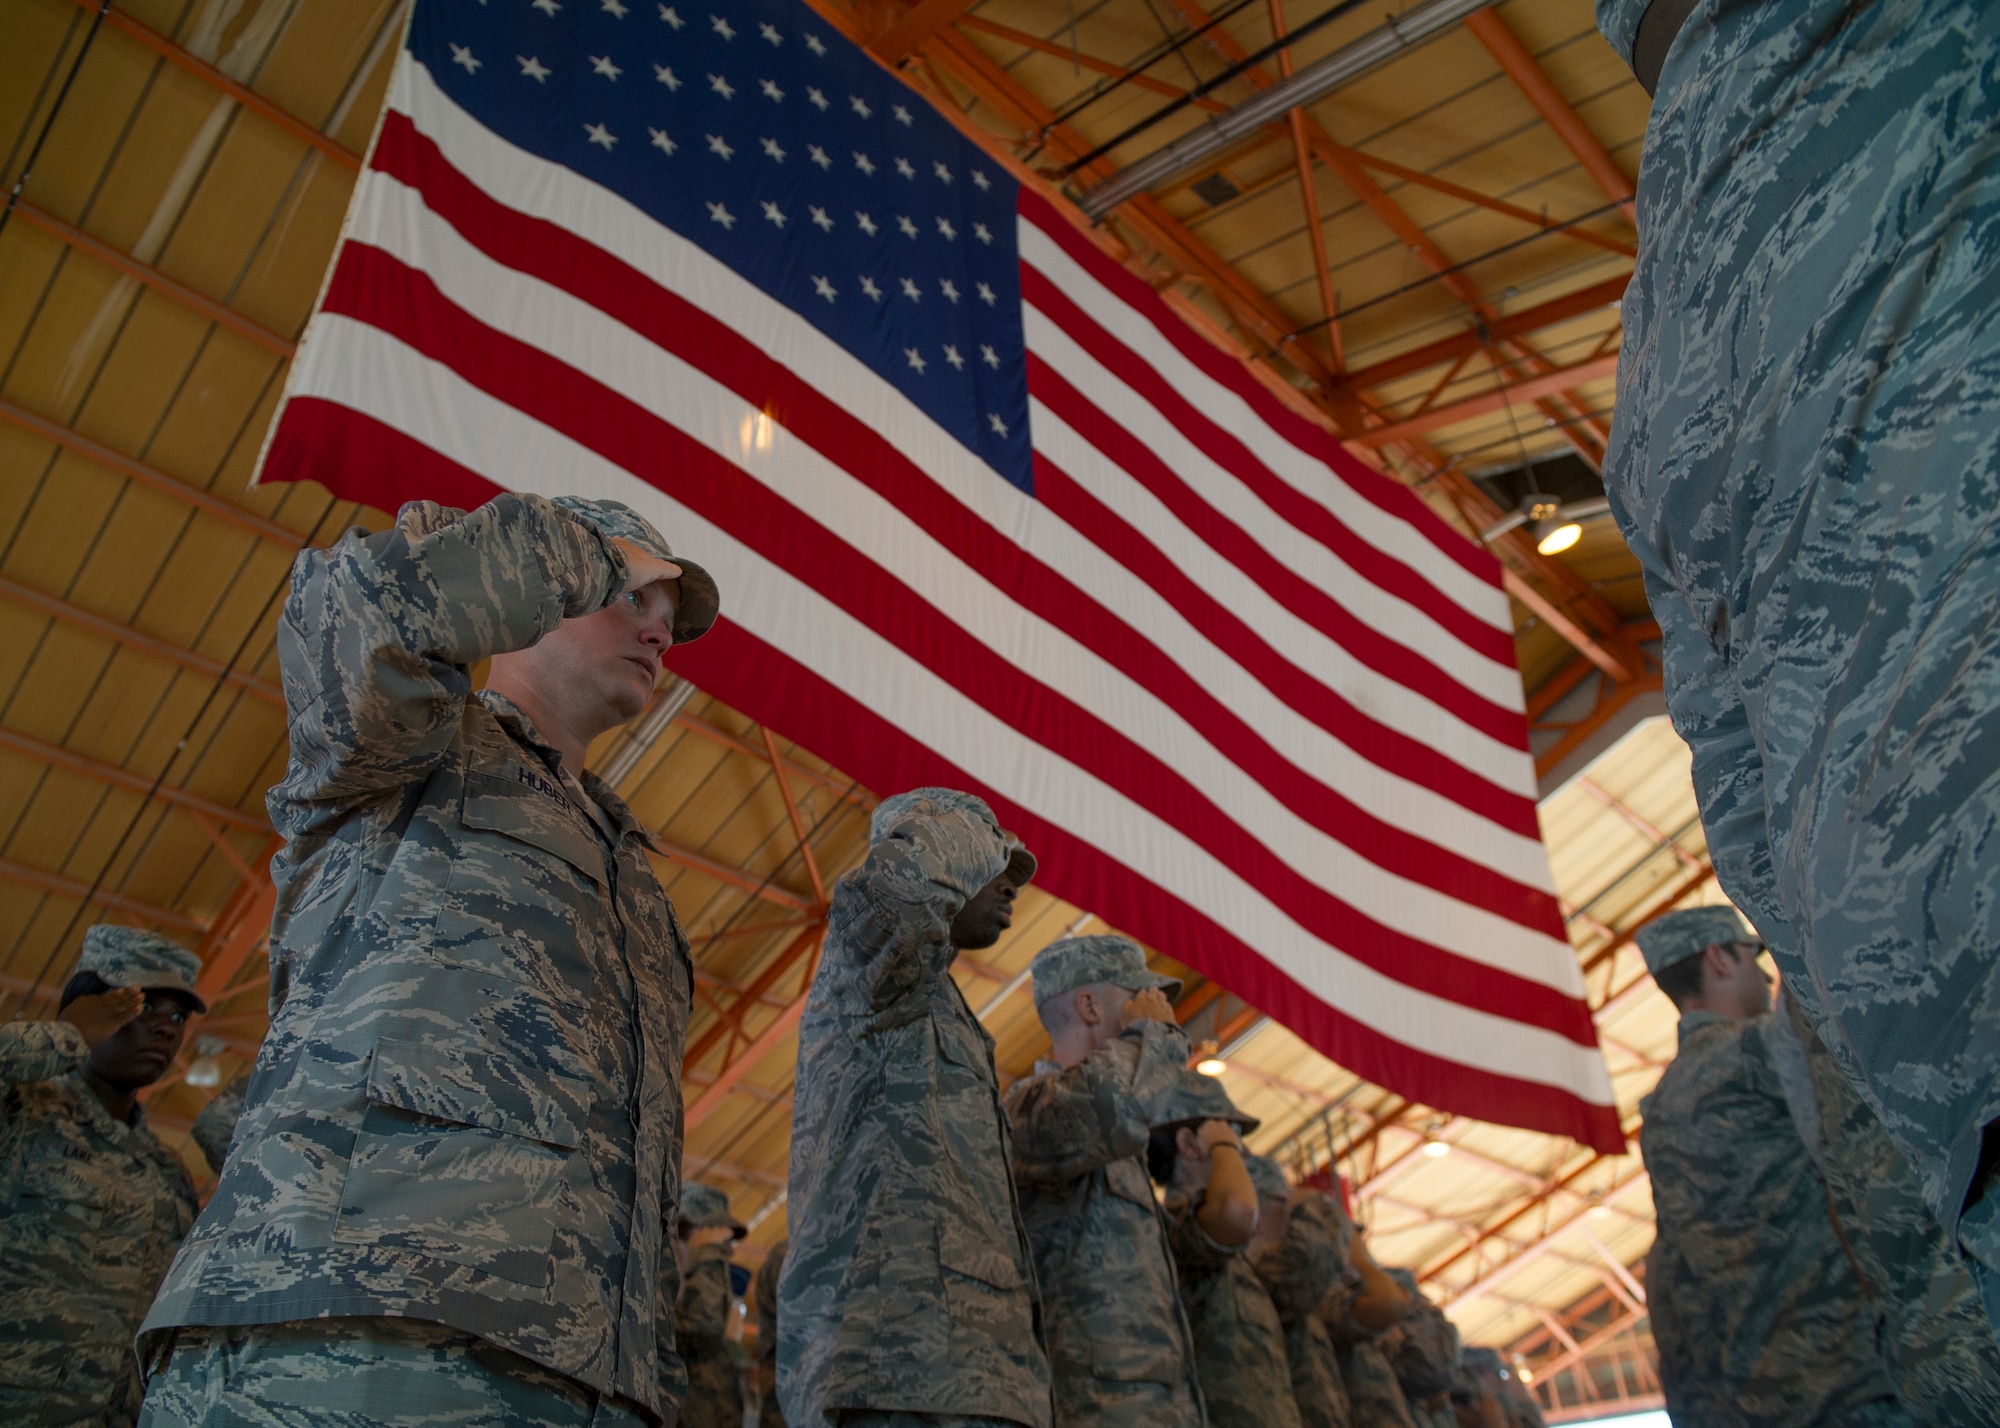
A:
x: 1688, y: 933
x: 1477, y: 1358
x: 1203, y: 1098
x: 1063, y: 966
x: 894, y: 809
x: 1268, y: 1176
x: 706, y: 1207
x: 134, y: 957
x: 700, y: 601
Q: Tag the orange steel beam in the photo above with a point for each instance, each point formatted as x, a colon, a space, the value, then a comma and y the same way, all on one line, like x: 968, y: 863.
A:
x: 245, y: 921
x: 1465, y: 344
x: 1694, y: 881
x: 201, y: 69
x: 701, y: 728
x: 907, y: 35
x: 1612, y: 698
x: 1295, y: 121
x: 105, y: 456
x: 795, y: 952
x: 1621, y: 666
x: 1521, y: 389
x: 792, y: 812
x: 79, y: 891
x: 216, y: 836
x: 757, y: 886
x: 1556, y: 111
x: 59, y: 757
x: 1086, y: 61
x: 132, y: 638
x: 781, y: 1026
x: 152, y: 277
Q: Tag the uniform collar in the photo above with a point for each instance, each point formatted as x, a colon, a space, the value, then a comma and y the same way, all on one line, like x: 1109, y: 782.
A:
x: 523, y: 730
x: 1694, y: 1021
x: 94, y: 1111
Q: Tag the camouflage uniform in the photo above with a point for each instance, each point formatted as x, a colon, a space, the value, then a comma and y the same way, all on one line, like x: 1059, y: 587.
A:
x: 215, y: 1126
x: 1804, y: 460
x: 1374, y: 1397
x: 702, y: 1315
x: 1425, y: 1357
x: 468, y: 1107
x: 1938, y: 1341
x: 769, y: 1415
x: 94, y: 1209
x: 1744, y: 1234
x: 1120, y: 1351
x: 1299, y: 1272
x: 909, y: 1286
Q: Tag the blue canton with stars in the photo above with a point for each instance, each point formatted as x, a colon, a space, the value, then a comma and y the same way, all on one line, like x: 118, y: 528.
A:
x: 754, y: 130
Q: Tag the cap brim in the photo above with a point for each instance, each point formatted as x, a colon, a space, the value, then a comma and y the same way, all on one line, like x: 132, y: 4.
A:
x: 700, y: 602
x: 138, y: 979
x: 1021, y: 866
x: 1147, y: 980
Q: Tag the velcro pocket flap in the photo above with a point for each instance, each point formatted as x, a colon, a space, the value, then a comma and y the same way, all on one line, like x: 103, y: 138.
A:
x: 963, y: 1250
x: 527, y: 814
x: 477, y: 1088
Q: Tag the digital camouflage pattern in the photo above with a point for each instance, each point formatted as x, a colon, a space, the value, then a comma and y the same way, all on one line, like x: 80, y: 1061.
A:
x: 1425, y: 1353
x: 1938, y: 1342
x: 699, y: 602
x: 764, y: 1304
x: 94, y: 1211
x: 1299, y: 1272
x: 1690, y: 1357
x: 363, y: 1373
x: 134, y: 957
x: 1690, y: 932
x: 1107, y: 958
x: 1374, y: 1397
x: 468, y: 1107
x: 1239, y: 1345
x: 701, y: 1337
x: 1739, y: 1203
x: 909, y: 1284
x: 215, y: 1126
x: 1120, y: 1350
x: 1806, y: 460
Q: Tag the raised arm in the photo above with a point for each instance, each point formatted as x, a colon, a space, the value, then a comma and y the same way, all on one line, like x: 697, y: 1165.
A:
x: 39, y: 1050
x: 888, y: 939
x: 381, y: 631
x: 1303, y: 1267
x: 1101, y: 1110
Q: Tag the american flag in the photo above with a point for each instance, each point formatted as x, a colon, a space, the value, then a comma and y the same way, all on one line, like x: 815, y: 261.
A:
x: 985, y: 512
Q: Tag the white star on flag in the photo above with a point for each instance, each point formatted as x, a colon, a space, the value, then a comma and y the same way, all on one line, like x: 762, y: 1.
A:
x: 859, y: 105
x: 774, y: 214
x: 721, y: 27
x: 721, y: 86
x: 612, y: 7
x: 951, y: 356
x: 770, y: 32
x: 601, y: 64
x: 942, y: 172
x: 986, y: 294
x: 601, y: 136
x: 547, y: 7
x: 982, y: 233
x: 534, y: 69
x: 818, y: 156
x: 771, y: 147
x: 904, y: 168
x: 989, y: 356
x: 994, y: 417
x: 722, y: 215
x: 772, y: 92
x: 911, y: 291
x: 814, y: 44
x: 868, y: 286
x: 462, y: 55
x: 666, y: 77
x: 719, y: 145
x: 819, y: 218
x: 944, y: 227
x: 866, y: 224
x: 816, y: 99
x: 671, y: 16
x: 902, y: 115
x: 662, y: 142
x: 823, y: 288
x: 909, y: 228
x: 979, y: 177
x: 948, y: 288
x: 916, y: 359
x: 862, y: 162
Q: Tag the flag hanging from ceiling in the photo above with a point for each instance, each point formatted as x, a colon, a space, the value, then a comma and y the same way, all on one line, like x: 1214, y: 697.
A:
x: 984, y: 511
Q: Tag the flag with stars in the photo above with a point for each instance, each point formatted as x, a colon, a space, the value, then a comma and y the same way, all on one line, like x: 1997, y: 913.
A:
x: 984, y: 511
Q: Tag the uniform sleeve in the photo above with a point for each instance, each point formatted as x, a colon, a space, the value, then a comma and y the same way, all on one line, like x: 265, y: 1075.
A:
x: 40, y: 1050
x: 1099, y: 1111
x: 381, y: 631
x: 215, y: 1127
x: 701, y: 1318
x: 766, y: 1295
x: 1196, y: 1253
x: 1300, y: 1270
x: 888, y: 930
x: 1336, y: 1311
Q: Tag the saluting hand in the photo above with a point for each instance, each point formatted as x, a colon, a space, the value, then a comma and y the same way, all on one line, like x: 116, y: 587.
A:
x: 99, y: 1016
x: 642, y: 567
x: 1149, y: 1005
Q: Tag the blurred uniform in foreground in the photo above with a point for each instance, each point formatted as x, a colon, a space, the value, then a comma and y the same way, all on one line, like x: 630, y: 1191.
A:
x: 765, y: 1294
x: 708, y: 1236
x: 1803, y: 460
x: 909, y: 1291
x: 1300, y: 1252
x: 94, y: 1205
x: 458, y: 1164
x: 1120, y: 1351
x: 1197, y: 1154
x: 1424, y: 1355
x: 1757, y: 1311
x: 1359, y: 1314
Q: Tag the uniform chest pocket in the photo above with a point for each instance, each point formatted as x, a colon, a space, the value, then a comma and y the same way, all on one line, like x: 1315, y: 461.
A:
x: 462, y: 1159
x: 1128, y: 1181
x: 528, y: 886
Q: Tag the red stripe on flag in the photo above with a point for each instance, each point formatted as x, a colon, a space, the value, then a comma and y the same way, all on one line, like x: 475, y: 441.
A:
x: 373, y: 287
x: 1385, y: 495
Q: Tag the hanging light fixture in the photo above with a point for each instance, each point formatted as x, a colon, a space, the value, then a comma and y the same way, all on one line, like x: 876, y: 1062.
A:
x: 1555, y: 526
x: 205, y: 1070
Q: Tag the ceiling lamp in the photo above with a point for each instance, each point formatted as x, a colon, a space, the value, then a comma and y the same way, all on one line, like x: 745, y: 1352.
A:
x: 1437, y: 1149
x: 1211, y: 1066
x: 1555, y: 526
x: 205, y: 1070
x: 1560, y: 538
